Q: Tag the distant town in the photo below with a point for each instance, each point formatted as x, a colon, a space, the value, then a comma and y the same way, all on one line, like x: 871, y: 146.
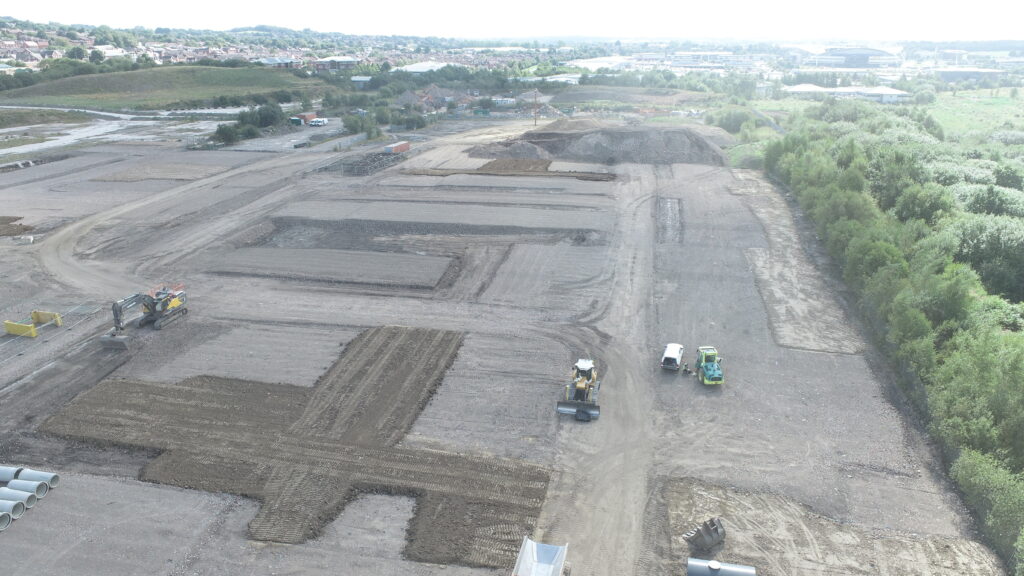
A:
x: 799, y: 70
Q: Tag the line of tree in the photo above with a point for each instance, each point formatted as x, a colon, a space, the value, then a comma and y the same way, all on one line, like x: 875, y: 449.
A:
x: 930, y: 239
x: 741, y: 86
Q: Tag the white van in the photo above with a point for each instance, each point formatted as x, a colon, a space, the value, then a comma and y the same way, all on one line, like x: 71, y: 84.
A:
x: 672, y: 358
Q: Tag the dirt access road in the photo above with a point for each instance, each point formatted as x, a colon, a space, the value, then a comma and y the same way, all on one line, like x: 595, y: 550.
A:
x: 541, y: 271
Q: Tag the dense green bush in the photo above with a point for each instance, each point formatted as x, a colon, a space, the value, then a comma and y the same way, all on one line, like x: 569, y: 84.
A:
x: 998, y: 496
x: 933, y: 249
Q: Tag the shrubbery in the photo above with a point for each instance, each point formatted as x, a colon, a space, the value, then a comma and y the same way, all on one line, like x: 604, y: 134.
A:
x: 250, y: 122
x: 937, y: 264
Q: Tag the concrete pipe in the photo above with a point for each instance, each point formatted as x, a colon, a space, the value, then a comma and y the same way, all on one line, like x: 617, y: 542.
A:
x: 50, y: 478
x: 38, y: 488
x: 15, y: 509
x: 8, y: 473
x: 5, y: 521
x: 26, y: 498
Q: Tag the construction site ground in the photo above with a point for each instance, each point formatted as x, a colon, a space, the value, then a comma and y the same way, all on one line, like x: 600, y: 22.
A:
x: 366, y: 380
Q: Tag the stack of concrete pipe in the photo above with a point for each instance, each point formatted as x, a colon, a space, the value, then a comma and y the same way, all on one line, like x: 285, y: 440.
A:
x: 20, y: 489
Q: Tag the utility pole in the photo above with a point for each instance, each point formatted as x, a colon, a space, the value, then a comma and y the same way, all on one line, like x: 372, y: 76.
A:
x: 535, y: 107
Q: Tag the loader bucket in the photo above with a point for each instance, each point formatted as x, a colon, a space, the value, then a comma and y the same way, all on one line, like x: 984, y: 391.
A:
x: 112, y: 342
x: 583, y: 411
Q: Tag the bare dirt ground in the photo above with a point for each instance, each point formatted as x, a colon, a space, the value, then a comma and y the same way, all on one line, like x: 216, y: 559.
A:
x: 433, y: 448
x: 783, y: 537
x: 408, y: 270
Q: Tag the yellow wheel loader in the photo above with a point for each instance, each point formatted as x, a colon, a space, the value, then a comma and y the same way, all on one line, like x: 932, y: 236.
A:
x: 581, y: 393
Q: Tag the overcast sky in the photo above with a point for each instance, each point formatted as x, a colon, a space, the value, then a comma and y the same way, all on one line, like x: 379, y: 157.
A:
x: 781, y: 21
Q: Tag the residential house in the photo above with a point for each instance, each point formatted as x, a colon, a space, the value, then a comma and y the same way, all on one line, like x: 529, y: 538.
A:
x: 423, y: 67
x: 280, y: 62
x: 109, y: 51
x: 28, y: 57
x: 332, y: 64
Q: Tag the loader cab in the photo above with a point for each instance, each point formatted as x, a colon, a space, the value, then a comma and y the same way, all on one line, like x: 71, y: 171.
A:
x: 583, y: 370
x: 672, y: 357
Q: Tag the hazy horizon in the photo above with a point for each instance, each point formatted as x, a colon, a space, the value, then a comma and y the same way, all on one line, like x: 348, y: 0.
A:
x: 791, y: 21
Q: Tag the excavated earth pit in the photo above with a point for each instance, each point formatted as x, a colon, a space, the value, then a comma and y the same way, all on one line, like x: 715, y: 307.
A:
x: 418, y: 246
x: 385, y: 236
x: 305, y: 453
x: 347, y: 266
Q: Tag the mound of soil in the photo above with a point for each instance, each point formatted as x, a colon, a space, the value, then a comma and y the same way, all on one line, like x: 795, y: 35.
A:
x: 510, y: 149
x: 516, y: 165
x: 588, y: 140
x: 573, y: 125
x: 9, y: 228
x: 715, y: 135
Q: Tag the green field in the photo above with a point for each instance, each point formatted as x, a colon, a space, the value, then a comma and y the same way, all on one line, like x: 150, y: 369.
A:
x: 27, y: 117
x: 20, y: 141
x: 978, y: 111
x: 156, y: 88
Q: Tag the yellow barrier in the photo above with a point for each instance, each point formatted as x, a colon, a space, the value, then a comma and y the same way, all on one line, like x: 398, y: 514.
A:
x: 39, y: 318
x: 19, y: 329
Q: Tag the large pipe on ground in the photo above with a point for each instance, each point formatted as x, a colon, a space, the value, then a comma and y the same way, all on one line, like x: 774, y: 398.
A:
x: 5, y: 521
x: 38, y: 488
x: 51, y: 478
x: 26, y: 498
x: 8, y: 473
x: 15, y: 509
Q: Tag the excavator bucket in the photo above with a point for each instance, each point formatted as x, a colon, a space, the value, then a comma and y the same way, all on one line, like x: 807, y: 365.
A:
x: 114, y: 342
